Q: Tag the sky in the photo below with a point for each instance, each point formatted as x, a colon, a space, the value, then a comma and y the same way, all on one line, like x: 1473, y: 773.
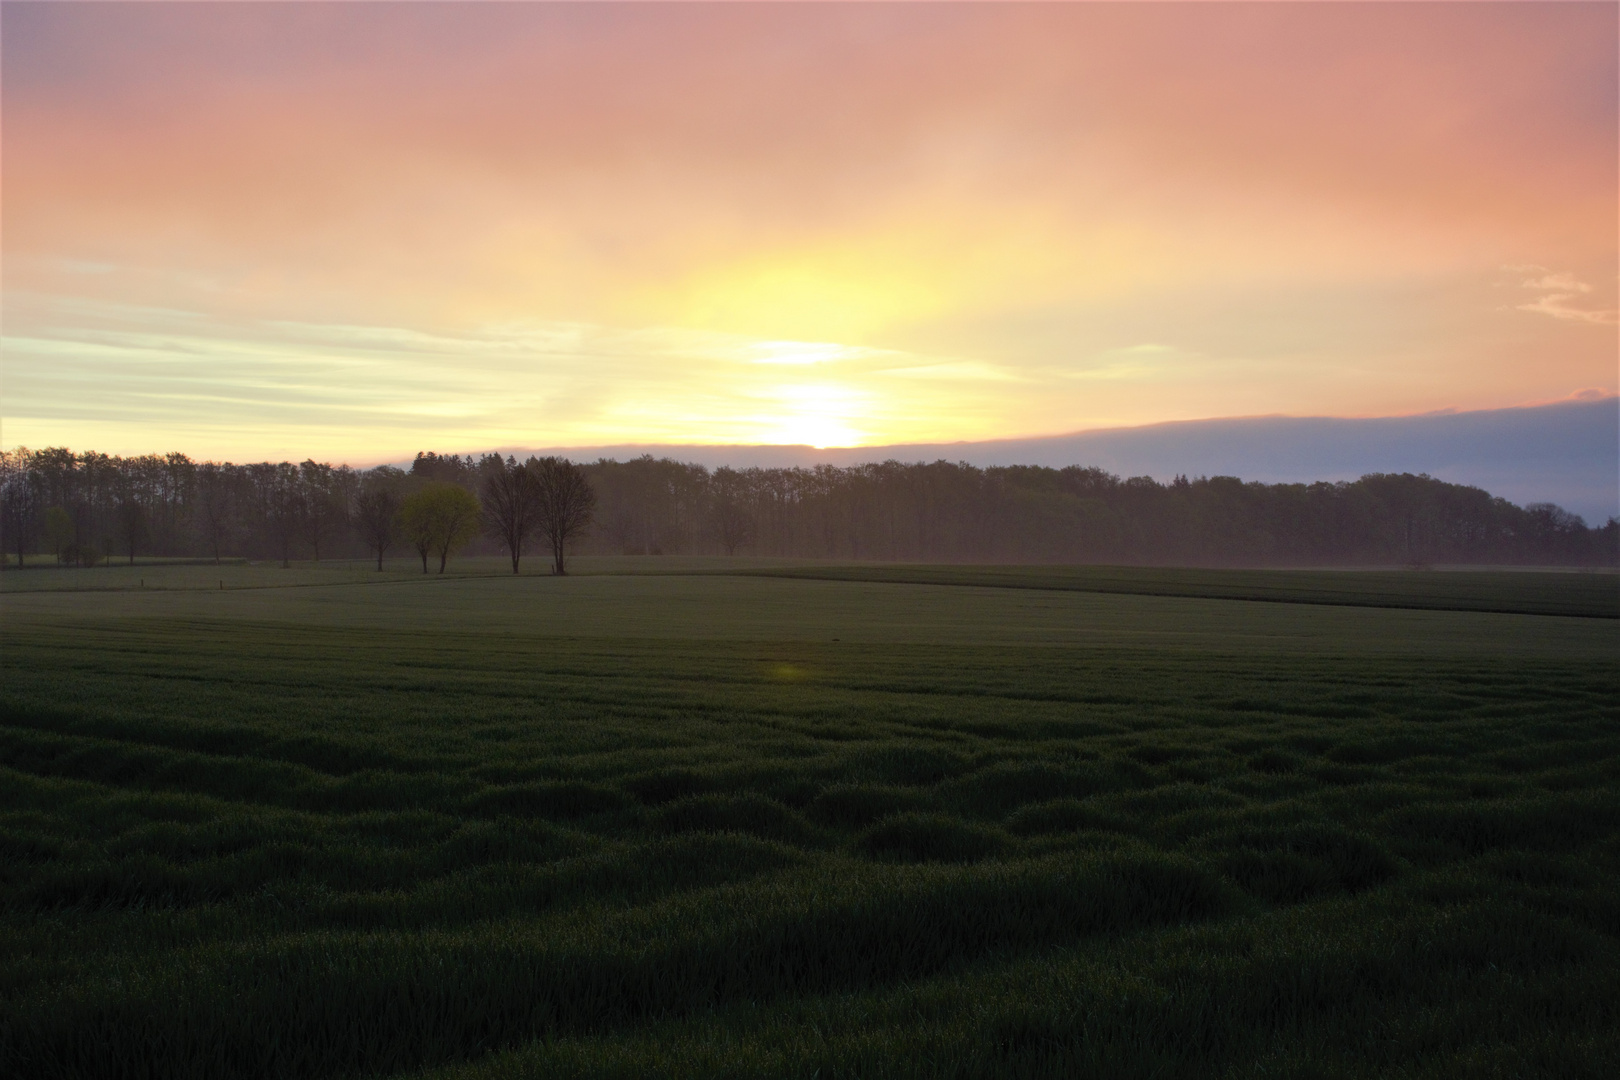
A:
x: 353, y: 231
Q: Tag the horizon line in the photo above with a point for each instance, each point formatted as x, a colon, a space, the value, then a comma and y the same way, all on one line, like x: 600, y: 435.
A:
x: 1590, y: 396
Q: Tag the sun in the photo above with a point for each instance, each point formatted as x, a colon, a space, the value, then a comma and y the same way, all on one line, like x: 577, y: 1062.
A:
x: 818, y: 415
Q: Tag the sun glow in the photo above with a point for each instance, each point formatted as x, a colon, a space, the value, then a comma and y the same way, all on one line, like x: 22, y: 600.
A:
x: 799, y: 353
x: 817, y: 415
x: 998, y: 221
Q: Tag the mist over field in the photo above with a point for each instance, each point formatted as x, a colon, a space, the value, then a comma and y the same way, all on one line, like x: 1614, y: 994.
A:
x: 822, y: 541
x: 1567, y: 453
x: 83, y: 508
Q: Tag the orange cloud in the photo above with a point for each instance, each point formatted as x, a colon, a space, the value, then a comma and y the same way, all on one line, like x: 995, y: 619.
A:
x: 1308, y: 203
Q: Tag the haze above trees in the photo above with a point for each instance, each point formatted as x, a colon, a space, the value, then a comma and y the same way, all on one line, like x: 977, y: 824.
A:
x: 84, y: 507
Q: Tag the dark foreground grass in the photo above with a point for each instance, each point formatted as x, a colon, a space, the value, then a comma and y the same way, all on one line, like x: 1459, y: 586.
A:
x: 234, y: 849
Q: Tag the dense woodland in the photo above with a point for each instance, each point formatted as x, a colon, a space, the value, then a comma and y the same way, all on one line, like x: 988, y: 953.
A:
x: 89, y: 507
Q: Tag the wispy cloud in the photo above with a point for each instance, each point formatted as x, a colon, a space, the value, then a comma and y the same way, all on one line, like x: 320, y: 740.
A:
x: 957, y: 371
x: 1559, y: 307
x: 1559, y: 291
x: 1557, y: 283
x: 367, y: 229
x: 100, y: 372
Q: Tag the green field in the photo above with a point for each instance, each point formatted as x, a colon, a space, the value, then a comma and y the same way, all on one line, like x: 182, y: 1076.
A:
x: 734, y: 818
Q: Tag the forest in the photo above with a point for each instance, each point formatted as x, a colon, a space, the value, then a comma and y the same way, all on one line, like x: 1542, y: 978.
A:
x: 88, y: 507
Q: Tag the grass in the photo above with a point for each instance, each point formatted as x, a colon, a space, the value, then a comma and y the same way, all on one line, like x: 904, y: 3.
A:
x: 631, y: 825
x: 1593, y: 593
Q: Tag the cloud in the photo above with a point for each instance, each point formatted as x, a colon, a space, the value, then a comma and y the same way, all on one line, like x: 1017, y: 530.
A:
x: 1557, y: 305
x: 397, y: 226
x: 102, y: 375
x: 1558, y: 282
x: 962, y: 370
x: 1558, y: 290
x: 802, y: 353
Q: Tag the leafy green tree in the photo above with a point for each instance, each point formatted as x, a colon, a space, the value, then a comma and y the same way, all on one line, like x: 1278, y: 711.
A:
x: 439, y: 519
x: 416, y: 523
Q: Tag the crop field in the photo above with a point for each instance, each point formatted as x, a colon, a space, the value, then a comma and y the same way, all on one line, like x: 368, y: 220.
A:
x: 726, y: 818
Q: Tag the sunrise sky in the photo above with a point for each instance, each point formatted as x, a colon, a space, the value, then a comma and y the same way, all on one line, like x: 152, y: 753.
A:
x: 355, y: 231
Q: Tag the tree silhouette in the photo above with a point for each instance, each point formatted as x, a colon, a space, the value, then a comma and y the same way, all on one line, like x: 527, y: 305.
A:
x: 324, y: 512
x: 567, y: 503
x: 21, y: 495
x: 59, y: 533
x: 732, y: 522
x: 376, y: 516
x: 939, y: 511
x: 511, y: 503
x: 213, y: 506
x: 285, y: 509
x: 131, y: 526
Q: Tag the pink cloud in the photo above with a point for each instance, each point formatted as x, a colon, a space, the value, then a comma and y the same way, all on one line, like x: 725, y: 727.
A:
x: 1312, y: 199
x: 1558, y: 291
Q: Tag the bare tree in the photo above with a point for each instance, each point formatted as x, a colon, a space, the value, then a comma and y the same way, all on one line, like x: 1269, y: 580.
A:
x: 345, y: 488
x: 131, y: 525
x: 284, y: 509
x: 60, y: 533
x: 511, y: 504
x: 376, y: 515
x: 21, y: 498
x: 566, y: 501
x: 730, y: 518
x: 324, y: 512
x: 214, y: 505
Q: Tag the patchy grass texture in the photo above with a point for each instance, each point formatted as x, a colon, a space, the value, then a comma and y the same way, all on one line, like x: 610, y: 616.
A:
x: 798, y: 822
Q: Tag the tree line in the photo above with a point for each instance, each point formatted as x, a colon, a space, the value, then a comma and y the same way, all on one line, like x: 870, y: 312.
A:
x: 86, y: 507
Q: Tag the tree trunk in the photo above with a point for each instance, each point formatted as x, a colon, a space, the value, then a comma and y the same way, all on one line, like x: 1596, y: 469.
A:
x: 379, y: 560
